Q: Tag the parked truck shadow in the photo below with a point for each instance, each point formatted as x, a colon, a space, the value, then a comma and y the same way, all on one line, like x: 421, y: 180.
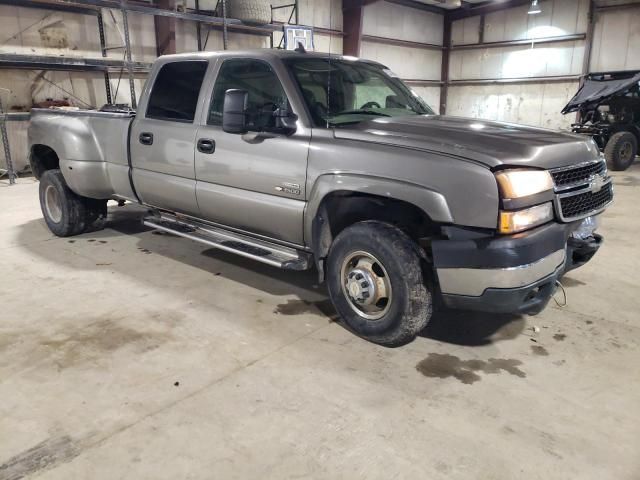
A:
x: 454, y: 327
x: 472, y: 329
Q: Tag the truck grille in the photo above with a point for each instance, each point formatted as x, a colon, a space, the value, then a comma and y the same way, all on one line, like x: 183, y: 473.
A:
x: 581, y: 190
x: 584, y: 204
x: 577, y: 175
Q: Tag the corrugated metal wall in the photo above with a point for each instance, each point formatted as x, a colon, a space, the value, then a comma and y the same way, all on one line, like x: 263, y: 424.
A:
x: 534, y: 104
x: 616, y: 41
x: 394, y: 21
x: 528, y: 104
x: 615, y: 47
x: 51, y: 33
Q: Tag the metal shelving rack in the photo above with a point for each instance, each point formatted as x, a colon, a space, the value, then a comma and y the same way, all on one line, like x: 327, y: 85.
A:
x: 107, y: 65
x: 5, y: 143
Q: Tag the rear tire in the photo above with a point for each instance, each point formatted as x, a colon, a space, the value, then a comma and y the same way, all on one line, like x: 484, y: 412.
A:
x: 621, y: 150
x: 66, y: 213
x: 388, y: 262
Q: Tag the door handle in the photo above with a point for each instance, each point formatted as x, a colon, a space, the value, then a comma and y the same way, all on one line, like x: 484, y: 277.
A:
x: 206, y: 145
x: 146, y: 138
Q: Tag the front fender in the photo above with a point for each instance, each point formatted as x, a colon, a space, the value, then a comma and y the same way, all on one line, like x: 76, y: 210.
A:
x: 430, y: 202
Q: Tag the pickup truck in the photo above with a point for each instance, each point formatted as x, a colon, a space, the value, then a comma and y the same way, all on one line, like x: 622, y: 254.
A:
x: 305, y: 160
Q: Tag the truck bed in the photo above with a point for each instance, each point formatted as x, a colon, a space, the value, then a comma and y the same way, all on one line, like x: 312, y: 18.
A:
x: 91, y: 146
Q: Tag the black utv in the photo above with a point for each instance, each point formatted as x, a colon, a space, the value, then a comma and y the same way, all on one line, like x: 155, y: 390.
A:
x: 608, y: 106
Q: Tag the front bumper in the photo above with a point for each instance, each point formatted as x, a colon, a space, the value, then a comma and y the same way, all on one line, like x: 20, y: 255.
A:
x: 511, y: 274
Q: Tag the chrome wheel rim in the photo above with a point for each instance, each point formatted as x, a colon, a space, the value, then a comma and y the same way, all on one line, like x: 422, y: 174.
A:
x: 366, y: 285
x: 52, y: 204
x: 625, y: 151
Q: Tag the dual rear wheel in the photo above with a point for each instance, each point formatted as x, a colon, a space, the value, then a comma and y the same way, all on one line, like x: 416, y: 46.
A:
x: 66, y: 213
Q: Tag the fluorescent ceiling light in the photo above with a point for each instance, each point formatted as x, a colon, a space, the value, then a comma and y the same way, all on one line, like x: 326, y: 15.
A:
x: 534, y: 8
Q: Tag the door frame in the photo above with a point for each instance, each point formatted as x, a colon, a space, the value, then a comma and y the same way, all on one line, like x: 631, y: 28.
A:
x: 290, y: 88
x: 303, y: 129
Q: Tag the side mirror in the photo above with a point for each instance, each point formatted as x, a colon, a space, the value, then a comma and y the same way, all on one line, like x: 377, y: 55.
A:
x: 234, y: 111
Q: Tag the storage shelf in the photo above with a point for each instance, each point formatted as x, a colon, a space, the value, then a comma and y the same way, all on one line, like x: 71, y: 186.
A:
x: 93, y: 6
x: 52, y: 5
x: 47, y: 62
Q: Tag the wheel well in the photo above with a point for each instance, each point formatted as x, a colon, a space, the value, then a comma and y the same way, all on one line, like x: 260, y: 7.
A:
x: 636, y: 131
x: 633, y: 129
x: 340, y: 209
x: 43, y: 158
x: 347, y: 208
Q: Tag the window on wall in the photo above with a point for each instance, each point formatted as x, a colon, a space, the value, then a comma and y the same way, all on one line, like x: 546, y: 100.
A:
x: 266, y: 94
x: 174, y: 96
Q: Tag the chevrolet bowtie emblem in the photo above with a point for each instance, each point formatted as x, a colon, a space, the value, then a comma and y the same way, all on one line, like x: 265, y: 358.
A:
x: 597, y: 182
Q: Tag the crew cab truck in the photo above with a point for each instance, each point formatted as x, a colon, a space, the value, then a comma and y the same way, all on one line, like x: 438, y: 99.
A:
x: 302, y: 159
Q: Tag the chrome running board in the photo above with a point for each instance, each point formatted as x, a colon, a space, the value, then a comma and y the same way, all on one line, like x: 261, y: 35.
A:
x: 243, y: 245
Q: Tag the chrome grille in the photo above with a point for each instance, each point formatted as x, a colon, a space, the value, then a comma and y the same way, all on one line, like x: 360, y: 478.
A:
x: 581, y: 190
x: 577, y: 175
x: 583, y: 204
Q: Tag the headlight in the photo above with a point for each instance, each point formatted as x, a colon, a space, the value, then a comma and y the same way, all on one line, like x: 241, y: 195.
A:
x: 522, y: 183
x: 519, y: 220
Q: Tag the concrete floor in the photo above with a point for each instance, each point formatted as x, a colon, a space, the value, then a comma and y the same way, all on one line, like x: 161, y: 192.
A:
x: 128, y: 354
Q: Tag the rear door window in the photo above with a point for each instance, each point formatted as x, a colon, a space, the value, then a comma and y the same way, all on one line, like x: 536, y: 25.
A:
x: 174, y: 96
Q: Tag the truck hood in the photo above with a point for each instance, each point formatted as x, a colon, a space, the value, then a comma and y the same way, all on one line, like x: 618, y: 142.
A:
x: 599, y: 87
x: 490, y: 143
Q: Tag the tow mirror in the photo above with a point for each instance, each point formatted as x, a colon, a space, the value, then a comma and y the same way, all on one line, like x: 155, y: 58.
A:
x: 234, y: 111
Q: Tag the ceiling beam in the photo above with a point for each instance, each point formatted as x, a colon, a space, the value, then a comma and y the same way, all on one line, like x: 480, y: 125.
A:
x: 621, y: 6
x: 418, y: 6
x: 357, y: 3
x: 485, y: 8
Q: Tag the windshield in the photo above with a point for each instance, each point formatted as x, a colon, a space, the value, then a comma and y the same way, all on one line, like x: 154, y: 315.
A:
x: 342, y: 92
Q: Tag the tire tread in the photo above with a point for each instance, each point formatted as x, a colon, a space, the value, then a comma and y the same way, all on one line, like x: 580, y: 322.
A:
x: 407, y: 257
x: 612, y: 150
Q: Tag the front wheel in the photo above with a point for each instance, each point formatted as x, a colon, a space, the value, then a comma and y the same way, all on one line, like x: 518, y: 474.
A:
x: 375, y: 281
x: 621, y: 150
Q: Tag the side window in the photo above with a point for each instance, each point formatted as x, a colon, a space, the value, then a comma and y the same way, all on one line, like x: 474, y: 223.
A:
x: 266, y: 94
x: 174, y: 95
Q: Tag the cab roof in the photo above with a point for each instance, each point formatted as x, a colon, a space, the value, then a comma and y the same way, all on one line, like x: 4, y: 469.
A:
x: 260, y: 53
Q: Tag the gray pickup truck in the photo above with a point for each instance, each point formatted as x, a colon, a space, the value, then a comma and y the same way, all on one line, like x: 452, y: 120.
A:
x: 303, y: 160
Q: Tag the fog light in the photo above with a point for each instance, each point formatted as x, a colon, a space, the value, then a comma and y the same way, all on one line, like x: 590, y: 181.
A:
x: 517, y: 221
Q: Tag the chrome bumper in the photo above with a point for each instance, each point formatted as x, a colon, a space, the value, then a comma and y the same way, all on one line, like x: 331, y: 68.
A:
x: 474, y: 282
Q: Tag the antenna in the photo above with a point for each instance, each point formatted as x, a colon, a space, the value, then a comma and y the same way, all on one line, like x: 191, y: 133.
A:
x: 300, y: 48
x: 329, y: 69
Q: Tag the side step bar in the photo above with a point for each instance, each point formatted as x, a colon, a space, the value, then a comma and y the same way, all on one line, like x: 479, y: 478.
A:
x: 243, y: 245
